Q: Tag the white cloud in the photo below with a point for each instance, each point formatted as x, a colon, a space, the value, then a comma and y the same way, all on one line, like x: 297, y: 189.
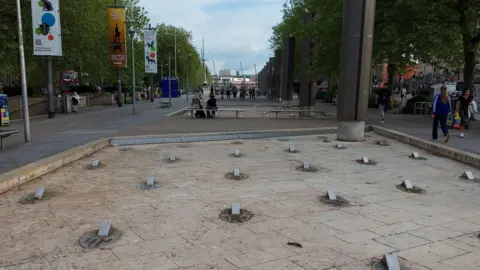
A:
x: 234, y: 30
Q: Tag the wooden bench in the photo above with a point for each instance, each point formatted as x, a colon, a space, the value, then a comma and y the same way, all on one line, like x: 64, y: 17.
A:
x: 4, y: 133
x: 323, y: 114
x: 216, y: 110
x: 165, y: 104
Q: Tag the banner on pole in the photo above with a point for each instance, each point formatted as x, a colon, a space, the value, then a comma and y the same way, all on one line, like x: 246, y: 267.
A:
x: 47, y: 34
x: 117, y: 37
x: 150, y: 37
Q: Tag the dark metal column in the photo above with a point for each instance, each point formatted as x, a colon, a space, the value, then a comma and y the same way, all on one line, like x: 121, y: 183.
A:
x: 268, y: 78
x: 262, y: 80
x: 355, y: 66
x: 288, y: 62
x: 304, y: 69
x: 271, y: 77
x: 278, y: 75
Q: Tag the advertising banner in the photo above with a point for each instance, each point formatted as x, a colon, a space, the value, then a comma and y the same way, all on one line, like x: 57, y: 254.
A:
x: 47, y: 35
x: 117, y: 37
x: 150, y: 37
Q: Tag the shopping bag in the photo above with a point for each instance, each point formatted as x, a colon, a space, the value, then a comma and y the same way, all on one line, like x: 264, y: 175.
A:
x: 450, y: 121
x: 456, y: 121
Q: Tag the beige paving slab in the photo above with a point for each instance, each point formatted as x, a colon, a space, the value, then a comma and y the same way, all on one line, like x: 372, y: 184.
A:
x: 462, y: 226
x: 358, y: 265
x: 356, y: 237
x: 279, y: 264
x: 259, y: 257
x: 435, y: 233
x: 201, y: 254
x: 468, y: 261
x: 353, y: 224
x: 427, y: 255
x: 402, y: 241
x: 150, y: 261
x: 365, y: 250
x: 396, y: 228
x: 469, y: 239
x: 215, y: 265
x: 308, y: 232
x: 394, y: 216
x: 322, y: 259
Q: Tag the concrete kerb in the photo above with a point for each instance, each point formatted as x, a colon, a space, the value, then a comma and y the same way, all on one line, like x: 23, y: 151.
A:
x: 179, y: 112
x: 437, y: 149
x: 218, y: 136
x: 22, y: 175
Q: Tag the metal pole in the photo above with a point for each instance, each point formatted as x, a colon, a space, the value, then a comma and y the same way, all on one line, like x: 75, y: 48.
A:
x: 187, y: 78
x: 133, y: 75
x: 119, y: 78
x: 50, y: 94
x: 23, y: 75
x: 151, y: 75
x: 203, y: 59
x: 175, y: 55
x: 256, y: 75
x: 169, y: 80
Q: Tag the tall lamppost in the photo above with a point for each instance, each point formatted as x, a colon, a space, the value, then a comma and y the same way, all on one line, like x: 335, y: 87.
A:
x: 175, y: 47
x: 23, y: 75
x: 131, y: 31
x: 169, y: 80
x: 188, y: 78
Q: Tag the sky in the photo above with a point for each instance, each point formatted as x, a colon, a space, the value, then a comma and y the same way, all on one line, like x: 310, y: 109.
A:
x: 234, y: 30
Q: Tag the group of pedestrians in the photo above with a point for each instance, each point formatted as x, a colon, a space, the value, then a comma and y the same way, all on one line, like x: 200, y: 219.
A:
x: 442, y: 110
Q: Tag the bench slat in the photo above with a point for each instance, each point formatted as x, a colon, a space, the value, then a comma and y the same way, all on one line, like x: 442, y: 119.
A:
x: 296, y: 111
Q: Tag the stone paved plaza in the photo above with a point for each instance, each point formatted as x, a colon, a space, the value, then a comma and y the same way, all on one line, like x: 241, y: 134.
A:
x: 177, y: 226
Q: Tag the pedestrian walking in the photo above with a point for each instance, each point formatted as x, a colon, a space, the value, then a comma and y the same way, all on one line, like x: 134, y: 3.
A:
x: 441, y: 109
x: 385, y: 100
x: 403, y: 95
x: 463, y: 103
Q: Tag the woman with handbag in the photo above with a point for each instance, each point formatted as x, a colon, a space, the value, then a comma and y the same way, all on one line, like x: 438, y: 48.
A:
x: 441, y: 109
x: 462, y: 109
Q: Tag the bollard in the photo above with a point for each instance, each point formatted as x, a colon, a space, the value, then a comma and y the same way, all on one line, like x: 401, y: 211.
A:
x: 236, y: 172
x: 39, y: 193
x: 235, y: 209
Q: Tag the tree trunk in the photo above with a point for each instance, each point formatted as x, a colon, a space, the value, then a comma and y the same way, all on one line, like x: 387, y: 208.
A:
x: 391, y: 73
x: 469, y: 47
x: 470, y: 56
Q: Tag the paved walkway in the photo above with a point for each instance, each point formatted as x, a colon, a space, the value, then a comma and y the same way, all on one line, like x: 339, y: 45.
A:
x: 421, y: 127
x: 51, y: 136
x: 177, y: 226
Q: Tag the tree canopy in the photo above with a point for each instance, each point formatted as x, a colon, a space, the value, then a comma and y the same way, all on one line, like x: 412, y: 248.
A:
x: 86, y: 46
x: 443, y: 33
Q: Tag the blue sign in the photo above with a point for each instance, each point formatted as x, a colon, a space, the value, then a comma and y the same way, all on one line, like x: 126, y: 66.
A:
x: 173, y: 83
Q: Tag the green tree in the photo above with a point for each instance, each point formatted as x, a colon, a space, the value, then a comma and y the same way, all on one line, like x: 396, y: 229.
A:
x: 85, y: 43
x: 399, y: 41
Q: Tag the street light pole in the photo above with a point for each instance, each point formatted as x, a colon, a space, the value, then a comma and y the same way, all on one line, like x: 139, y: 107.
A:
x: 23, y: 75
x: 119, y: 78
x: 187, y: 78
x: 169, y: 80
x: 175, y: 54
x: 132, y: 35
